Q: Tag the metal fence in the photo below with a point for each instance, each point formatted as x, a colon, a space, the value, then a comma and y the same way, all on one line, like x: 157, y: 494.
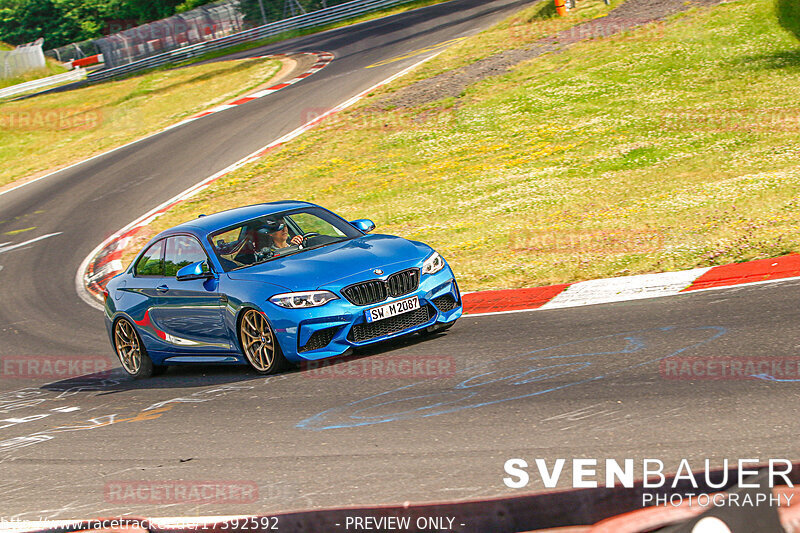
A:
x: 205, y: 23
x: 73, y: 51
x: 308, y: 20
x: 22, y: 59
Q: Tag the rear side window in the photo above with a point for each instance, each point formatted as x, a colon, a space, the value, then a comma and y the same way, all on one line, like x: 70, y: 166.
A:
x: 151, y: 262
x: 182, y: 250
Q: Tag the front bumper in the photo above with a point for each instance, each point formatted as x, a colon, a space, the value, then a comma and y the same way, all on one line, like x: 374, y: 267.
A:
x: 336, y: 327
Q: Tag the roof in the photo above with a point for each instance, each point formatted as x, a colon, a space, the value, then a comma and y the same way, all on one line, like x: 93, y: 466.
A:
x: 223, y: 219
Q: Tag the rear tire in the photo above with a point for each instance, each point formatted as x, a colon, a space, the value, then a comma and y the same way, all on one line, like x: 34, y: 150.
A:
x: 259, y: 345
x: 131, y: 351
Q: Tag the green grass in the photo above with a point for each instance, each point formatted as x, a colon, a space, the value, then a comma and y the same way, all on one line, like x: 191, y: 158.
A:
x: 55, y: 130
x: 789, y: 16
x: 670, y: 147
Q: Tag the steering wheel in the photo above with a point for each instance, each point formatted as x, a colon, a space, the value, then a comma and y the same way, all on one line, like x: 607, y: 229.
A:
x: 306, y: 236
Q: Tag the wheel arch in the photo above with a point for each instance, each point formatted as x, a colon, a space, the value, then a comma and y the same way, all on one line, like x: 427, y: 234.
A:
x: 279, y: 353
x: 240, y: 315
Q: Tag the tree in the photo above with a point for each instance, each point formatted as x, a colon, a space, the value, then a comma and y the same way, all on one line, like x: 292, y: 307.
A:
x: 147, y: 10
x: 62, y: 22
x: 59, y: 22
x: 275, y: 9
x: 251, y: 11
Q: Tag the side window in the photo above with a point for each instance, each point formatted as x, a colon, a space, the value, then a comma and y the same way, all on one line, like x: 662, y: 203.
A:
x: 150, y: 263
x: 182, y: 250
x: 224, y: 242
x: 310, y: 223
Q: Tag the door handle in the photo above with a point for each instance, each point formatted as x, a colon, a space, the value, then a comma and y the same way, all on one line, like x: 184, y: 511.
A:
x: 162, y: 288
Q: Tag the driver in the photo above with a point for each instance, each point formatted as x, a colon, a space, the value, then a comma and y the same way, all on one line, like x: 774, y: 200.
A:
x: 279, y: 234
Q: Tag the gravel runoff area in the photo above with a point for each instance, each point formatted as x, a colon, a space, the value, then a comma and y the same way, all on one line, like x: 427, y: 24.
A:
x: 452, y: 83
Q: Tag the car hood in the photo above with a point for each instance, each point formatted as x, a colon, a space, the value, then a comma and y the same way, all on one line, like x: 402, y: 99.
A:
x: 337, y: 264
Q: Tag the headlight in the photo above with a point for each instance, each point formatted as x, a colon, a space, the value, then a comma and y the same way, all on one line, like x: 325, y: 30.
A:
x: 301, y: 300
x: 433, y: 264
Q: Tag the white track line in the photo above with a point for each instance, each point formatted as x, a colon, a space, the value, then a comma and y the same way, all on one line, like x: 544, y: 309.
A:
x: 20, y: 245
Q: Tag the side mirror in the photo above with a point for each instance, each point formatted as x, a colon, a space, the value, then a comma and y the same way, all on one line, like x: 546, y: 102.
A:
x: 198, y: 270
x: 364, y: 224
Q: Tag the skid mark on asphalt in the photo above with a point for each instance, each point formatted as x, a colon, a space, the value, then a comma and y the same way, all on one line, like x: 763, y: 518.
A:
x: 608, y: 419
x: 594, y: 413
x: 15, y: 443
x: 68, y: 510
x: 132, y: 184
x: 152, y: 412
x: 73, y: 389
x: 519, y: 376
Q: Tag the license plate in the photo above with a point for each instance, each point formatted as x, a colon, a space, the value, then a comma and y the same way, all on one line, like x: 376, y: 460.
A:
x: 393, y: 309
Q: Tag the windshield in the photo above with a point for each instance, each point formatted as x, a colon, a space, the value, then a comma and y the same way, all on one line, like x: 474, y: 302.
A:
x: 269, y: 237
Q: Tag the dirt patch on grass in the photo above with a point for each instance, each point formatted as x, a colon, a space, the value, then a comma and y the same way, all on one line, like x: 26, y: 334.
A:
x: 450, y: 84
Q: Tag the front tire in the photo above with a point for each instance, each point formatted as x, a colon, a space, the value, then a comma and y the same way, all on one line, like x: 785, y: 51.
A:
x: 439, y: 328
x: 259, y: 345
x: 131, y: 351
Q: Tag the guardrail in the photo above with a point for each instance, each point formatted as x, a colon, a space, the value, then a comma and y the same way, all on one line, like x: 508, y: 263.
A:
x: 41, y: 83
x: 315, y: 18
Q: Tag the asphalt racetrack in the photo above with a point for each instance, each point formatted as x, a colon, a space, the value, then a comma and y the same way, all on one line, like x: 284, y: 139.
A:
x: 600, y: 381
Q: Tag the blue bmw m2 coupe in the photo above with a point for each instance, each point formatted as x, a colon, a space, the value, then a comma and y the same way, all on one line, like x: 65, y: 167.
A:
x: 271, y: 285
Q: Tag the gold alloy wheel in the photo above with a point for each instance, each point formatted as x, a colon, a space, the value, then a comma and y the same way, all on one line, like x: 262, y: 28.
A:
x: 128, y: 348
x: 258, y: 342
